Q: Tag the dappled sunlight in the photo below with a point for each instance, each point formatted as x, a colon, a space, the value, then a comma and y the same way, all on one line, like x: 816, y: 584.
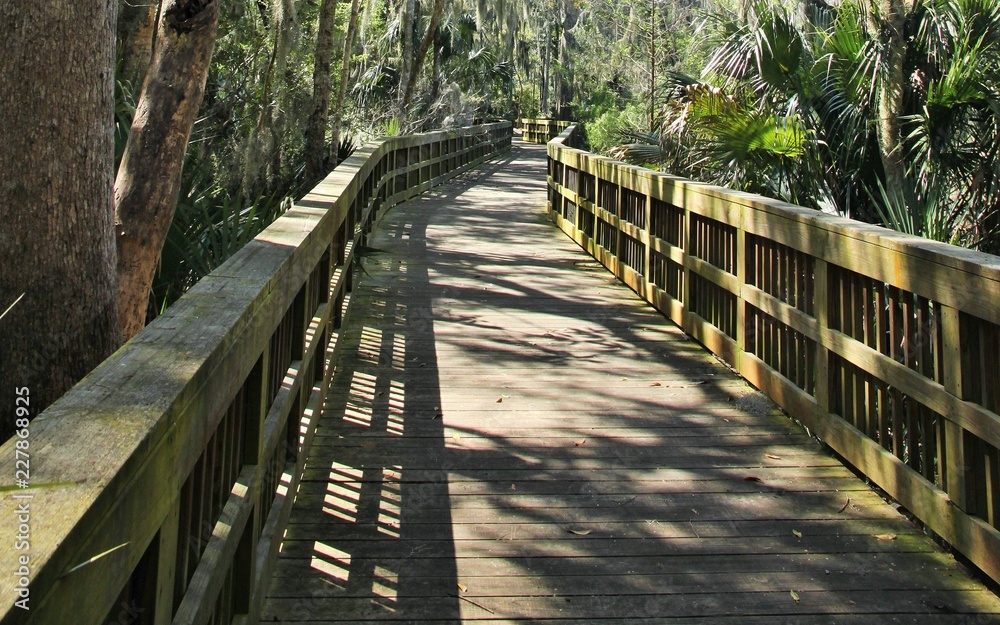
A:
x: 517, y: 437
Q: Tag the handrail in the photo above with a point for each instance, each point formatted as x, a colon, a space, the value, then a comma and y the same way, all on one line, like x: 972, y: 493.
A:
x: 159, y: 483
x: 885, y: 345
x: 542, y: 130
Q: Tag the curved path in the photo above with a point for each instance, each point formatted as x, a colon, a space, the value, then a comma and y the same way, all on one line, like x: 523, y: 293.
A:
x: 515, y: 437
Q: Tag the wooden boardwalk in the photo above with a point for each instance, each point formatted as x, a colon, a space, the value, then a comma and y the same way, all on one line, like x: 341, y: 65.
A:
x: 515, y: 437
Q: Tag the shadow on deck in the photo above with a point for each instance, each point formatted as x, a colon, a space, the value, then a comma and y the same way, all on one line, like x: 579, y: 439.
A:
x: 514, y: 436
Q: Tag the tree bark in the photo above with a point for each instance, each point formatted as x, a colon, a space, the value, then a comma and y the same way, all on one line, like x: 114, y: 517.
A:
x: 322, y: 88
x: 57, y: 247
x: 136, y: 26
x: 406, y: 25
x: 887, y: 22
x: 150, y: 173
x: 425, y: 45
x: 345, y: 75
x: 546, y: 68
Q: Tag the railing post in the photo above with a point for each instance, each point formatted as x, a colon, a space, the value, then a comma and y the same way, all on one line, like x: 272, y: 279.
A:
x: 166, y: 567
x: 821, y: 311
x: 741, y: 304
x: 954, y: 468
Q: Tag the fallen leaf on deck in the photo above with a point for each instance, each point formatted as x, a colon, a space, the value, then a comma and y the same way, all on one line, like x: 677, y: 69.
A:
x: 656, y: 384
x: 463, y: 587
x: 885, y: 536
x: 797, y: 533
x: 578, y: 443
x: 752, y: 478
x: 457, y: 437
x: 579, y: 532
x: 794, y: 595
x: 624, y: 379
x: 773, y: 457
x: 500, y: 400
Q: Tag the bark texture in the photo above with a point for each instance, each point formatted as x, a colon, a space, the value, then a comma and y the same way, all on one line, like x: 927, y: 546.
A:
x: 150, y: 173
x: 345, y: 74
x: 406, y: 62
x: 322, y: 88
x: 56, y: 212
x: 136, y: 26
x: 887, y: 23
x: 425, y: 45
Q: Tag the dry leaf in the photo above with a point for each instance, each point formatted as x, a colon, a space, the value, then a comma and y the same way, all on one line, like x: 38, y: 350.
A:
x: 457, y: 437
x: 500, y: 400
x: 578, y: 443
x: 773, y: 457
x: 752, y: 478
x: 462, y: 587
x: 579, y: 532
x: 656, y: 384
x: 513, y: 487
x: 794, y: 595
x: 624, y: 379
x: 885, y: 536
x: 797, y: 533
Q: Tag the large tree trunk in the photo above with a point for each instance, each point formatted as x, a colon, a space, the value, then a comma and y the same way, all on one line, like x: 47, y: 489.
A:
x: 150, y: 173
x: 546, y: 68
x: 436, y: 71
x: 136, y: 26
x: 406, y: 62
x: 889, y: 26
x: 345, y: 75
x: 56, y: 208
x: 425, y: 45
x: 322, y: 87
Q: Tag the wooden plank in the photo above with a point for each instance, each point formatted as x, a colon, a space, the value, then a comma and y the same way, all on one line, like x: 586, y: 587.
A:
x: 461, y: 452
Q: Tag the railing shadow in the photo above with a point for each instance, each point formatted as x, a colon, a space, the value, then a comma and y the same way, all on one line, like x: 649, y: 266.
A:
x: 455, y: 474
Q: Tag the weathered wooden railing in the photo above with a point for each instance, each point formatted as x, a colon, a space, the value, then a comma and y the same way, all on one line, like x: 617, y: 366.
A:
x: 542, y: 130
x: 159, y: 484
x: 886, y: 346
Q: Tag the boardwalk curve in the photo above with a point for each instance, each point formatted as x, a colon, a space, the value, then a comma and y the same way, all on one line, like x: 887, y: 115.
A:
x: 515, y: 437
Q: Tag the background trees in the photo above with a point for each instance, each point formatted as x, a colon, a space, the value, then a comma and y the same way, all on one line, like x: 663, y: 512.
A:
x: 885, y: 110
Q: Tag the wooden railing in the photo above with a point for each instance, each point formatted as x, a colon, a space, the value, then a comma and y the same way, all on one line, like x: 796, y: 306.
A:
x: 160, y: 484
x: 542, y: 130
x: 886, y: 346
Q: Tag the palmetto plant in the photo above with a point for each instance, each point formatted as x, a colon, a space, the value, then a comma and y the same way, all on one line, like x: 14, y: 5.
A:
x: 209, y: 226
x: 790, y: 109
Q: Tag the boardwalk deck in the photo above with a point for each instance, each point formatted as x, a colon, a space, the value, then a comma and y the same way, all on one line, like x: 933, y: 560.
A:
x: 516, y: 437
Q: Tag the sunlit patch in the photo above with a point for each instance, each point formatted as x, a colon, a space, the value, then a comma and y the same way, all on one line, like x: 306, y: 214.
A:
x: 390, y: 498
x: 343, y: 493
x: 385, y: 584
x: 397, y: 403
x: 332, y: 562
x: 283, y: 484
x: 398, y: 351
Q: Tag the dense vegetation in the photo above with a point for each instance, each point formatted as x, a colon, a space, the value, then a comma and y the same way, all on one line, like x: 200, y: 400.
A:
x: 882, y: 110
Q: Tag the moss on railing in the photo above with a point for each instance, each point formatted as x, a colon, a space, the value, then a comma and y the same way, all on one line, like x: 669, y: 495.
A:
x: 161, y: 480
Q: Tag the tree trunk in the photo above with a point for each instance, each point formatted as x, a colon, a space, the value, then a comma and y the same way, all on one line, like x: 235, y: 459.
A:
x: 57, y: 245
x: 546, y: 68
x: 436, y: 71
x: 889, y: 92
x: 150, y: 173
x: 322, y: 87
x: 136, y: 24
x: 406, y: 61
x: 425, y: 45
x: 345, y: 75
